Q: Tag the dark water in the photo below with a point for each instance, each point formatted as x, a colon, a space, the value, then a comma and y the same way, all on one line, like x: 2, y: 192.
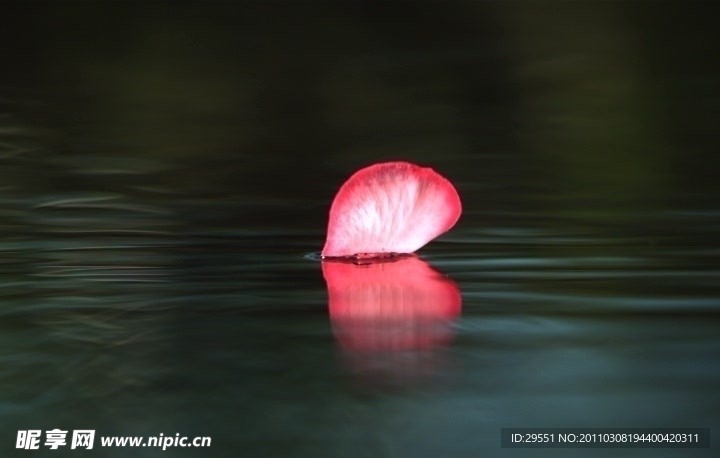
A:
x: 167, y: 171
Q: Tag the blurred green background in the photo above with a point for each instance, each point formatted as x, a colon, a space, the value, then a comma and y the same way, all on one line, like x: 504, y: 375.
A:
x: 607, y: 103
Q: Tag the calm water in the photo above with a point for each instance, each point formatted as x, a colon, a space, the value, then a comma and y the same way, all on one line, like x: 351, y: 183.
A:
x: 167, y: 173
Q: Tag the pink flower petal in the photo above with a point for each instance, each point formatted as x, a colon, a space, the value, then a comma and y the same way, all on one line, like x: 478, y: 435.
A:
x: 390, y: 207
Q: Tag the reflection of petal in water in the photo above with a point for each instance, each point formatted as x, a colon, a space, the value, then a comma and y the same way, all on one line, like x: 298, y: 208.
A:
x: 398, y: 305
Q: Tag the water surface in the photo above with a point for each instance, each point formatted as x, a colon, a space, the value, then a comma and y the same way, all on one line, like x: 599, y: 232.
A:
x: 167, y: 174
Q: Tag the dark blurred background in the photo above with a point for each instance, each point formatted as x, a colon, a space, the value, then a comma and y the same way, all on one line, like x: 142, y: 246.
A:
x: 611, y: 103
